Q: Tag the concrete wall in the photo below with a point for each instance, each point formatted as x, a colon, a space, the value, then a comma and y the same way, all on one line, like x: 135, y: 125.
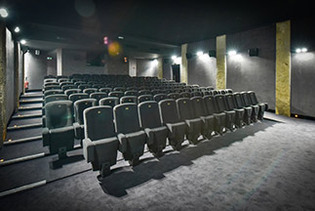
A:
x: 35, y: 68
x: 75, y: 62
x: 253, y: 73
x: 302, y: 84
x: 147, y: 67
x: 10, y: 85
x: 202, y: 70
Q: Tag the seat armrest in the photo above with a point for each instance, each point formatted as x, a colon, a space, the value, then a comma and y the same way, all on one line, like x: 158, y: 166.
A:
x: 77, y: 127
x: 150, y: 136
x: 122, y: 142
x: 88, y: 150
x: 45, y: 133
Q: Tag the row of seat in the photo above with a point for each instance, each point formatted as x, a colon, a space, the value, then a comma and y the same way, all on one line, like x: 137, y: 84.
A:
x: 136, y: 125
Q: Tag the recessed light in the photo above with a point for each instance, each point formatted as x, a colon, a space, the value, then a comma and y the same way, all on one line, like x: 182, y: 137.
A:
x: 3, y: 13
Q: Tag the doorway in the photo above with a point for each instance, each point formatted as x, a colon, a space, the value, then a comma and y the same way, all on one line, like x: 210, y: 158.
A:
x: 176, y: 72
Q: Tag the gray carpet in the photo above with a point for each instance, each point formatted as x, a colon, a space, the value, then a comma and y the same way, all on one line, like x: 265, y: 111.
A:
x: 265, y: 166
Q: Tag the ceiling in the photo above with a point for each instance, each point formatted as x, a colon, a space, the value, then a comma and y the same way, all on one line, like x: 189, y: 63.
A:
x: 149, y: 28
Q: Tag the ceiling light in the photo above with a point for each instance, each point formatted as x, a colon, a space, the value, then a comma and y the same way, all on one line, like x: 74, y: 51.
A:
x: 232, y: 53
x: 199, y: 53
x: 23, y: 42
x: 3, y: 12
x: 17, y: 29
x: 121, y: 37
x: 174, y: 57
x: 304, y: 50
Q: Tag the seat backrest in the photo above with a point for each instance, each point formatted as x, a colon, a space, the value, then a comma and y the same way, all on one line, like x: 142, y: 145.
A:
x: 238, y: 100
x: 98, y: 122
x: 185, y: 94
x: 229, y: 100
x: 78, y: 96
x: 174, y: 96
x: 219, y: 99
x: 98, y: 95
x: 50, y: 87
x: 253, y: 97
x: 196, y: 93
x: 121, y: 89
x: 159, y: 97
x: 144, y: 92
x: 246, y: 98
x: 131, y: 93
x: 210, y: 104
x: 126, y: 118
x: 83, y: 86
x: 68, y: 92
x: 55, y: 97
x: 199, y: 106
x: 149, y: 114
x: 185, y: 109
x: 118, y: 94
x: 59, y: 114
x: 109, y: 101
x: 128, y: 99
x: 68, y: 86
x: 105, y: 89
x: 79, y: 107
x: 90, y: 90
x: 143, y: 98
x: 52, y: 92
x: 168, y: 111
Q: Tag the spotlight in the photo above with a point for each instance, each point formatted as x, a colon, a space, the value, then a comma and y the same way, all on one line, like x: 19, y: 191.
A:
x: 3, y: 12
x: 232, y: 52
x: 23, y: 42
x: 199, y: 53
x: 17, y: 29
x: 301, y: 50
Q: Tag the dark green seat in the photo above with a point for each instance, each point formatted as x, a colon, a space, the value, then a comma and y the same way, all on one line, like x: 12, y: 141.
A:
x: 100, y: 144
x: 58, y: 134
x: 132, y: 139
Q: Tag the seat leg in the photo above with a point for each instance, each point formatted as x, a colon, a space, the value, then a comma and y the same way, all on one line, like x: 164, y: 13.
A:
x: 135, y: 161
x: 105, y: 169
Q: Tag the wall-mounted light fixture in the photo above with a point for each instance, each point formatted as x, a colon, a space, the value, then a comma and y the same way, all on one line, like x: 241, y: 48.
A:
x: 199, y: 53
x: 23, y: 42
x: 212, y: 53
x: 301, y: 50
x: 232, y: 52
x: 253, y: 52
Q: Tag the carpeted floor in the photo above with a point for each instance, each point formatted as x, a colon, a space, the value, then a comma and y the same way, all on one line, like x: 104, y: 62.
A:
x: 265, y: 166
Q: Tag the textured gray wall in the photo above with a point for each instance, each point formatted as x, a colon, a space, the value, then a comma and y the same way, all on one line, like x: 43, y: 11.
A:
x: 253, y: 73
x: 10, y: 94
x: 302, y: 84
x: 146, y: 67
x: 74, y: 62
x: 202, y: 70
x: 35, y: 69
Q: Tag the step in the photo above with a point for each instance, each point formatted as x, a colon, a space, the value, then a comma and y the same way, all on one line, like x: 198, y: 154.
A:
x: 22, y: 140
x: 32, y: 96
x: 17, y: 127
x: 31, y: 101
x: 24, y: 108
x: 26, y: 116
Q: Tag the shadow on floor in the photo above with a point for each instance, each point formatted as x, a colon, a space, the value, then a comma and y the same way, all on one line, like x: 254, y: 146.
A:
x: 124, y: 178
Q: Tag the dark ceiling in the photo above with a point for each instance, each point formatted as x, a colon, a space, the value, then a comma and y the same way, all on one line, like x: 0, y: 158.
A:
x: 151, y: 27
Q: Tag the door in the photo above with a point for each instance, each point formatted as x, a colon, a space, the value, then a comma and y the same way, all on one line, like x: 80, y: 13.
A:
x: 176, y: 72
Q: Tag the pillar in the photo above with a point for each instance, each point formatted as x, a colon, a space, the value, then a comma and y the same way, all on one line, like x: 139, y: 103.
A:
x: 160, y: 68
x: 59, y: 61
x: 2, y: 82
x: 221, y: 62
x: 184, y: 65
x: 283, y: 68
